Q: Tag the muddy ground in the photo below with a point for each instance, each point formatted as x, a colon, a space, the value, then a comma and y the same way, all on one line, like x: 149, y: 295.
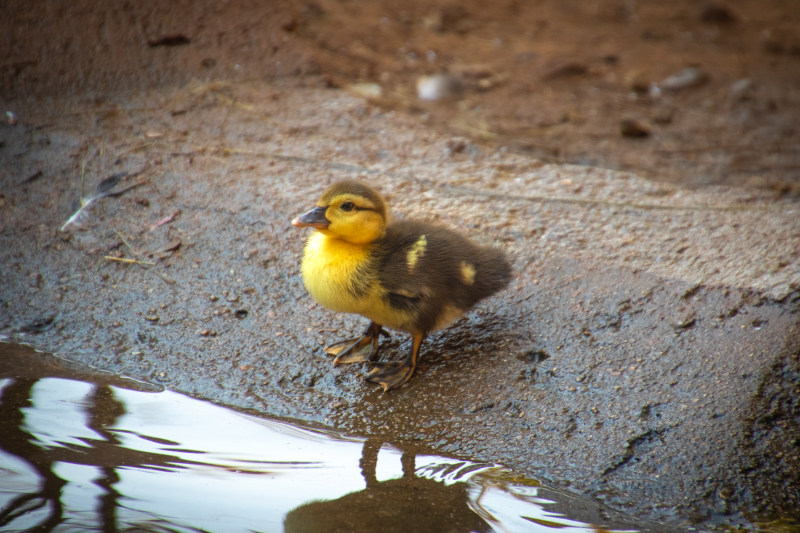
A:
x: 646, y: 352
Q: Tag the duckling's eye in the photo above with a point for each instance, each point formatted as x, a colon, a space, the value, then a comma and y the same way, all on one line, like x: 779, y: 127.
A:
x: 347, y: 206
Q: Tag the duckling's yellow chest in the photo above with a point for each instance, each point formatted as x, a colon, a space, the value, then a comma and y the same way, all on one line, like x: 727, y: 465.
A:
x: 337, y: 274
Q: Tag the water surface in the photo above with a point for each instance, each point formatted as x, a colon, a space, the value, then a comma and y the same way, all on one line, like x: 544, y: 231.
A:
x: 85, y: 451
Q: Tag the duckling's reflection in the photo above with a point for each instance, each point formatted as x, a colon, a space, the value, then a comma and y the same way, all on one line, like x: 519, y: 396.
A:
x: 408, y: 503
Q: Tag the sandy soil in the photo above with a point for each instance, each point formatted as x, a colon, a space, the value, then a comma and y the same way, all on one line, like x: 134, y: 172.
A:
x: 646, y: 351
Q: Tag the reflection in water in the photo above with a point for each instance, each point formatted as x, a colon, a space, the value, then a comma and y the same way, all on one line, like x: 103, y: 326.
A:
x: 82, y: 452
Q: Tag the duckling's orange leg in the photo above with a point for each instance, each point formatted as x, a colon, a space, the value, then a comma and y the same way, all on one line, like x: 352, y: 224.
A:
x: 392, y: 378
x: 358, y: 349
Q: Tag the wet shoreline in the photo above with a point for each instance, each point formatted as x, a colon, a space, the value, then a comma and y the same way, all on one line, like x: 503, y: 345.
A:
x: 97, y: 450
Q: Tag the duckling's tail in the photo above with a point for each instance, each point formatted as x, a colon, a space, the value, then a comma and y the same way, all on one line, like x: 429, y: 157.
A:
x: 493, y: 272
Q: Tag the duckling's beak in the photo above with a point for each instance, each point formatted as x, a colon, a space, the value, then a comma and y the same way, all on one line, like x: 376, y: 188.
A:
x: 313, y: 219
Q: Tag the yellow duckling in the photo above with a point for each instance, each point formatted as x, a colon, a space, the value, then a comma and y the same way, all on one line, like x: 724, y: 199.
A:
x: 407, y: 275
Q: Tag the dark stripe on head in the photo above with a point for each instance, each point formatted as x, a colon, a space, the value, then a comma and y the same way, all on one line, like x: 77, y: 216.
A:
x: 357, y: 189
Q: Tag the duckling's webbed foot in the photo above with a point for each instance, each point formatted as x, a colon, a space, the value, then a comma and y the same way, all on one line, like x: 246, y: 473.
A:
x: 391, y: 375
x: 358, y: 349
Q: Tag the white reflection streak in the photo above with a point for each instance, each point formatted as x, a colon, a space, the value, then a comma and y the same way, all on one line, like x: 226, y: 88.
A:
x: 57, y: 417
x: 304, y: 466
x: 225, y: 438
x: 389, y: 464
x: 511, y: 508
x: 509, y: 514
x: 449, y: 471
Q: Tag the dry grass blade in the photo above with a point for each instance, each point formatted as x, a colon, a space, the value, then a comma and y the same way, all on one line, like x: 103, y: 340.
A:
x: 128, y: 260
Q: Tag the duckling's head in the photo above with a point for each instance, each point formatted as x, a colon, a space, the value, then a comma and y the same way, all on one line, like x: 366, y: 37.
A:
x: 347, y: 210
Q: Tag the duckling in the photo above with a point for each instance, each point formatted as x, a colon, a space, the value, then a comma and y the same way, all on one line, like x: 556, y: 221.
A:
x: 407, y: 275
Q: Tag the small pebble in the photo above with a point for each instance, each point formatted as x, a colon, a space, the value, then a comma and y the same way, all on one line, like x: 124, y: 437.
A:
x: 685, y: 79
x: 634, y: 129
x: 438, y: 87
x: 715, y: 13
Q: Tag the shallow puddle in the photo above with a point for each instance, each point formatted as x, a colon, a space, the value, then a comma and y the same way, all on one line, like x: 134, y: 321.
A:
x: 84, y: 451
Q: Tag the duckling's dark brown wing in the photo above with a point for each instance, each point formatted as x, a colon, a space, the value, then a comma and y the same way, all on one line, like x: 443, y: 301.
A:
x: 429, y: 271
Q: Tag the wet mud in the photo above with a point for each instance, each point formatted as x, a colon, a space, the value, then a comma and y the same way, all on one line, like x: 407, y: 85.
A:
x: 645, y: 353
